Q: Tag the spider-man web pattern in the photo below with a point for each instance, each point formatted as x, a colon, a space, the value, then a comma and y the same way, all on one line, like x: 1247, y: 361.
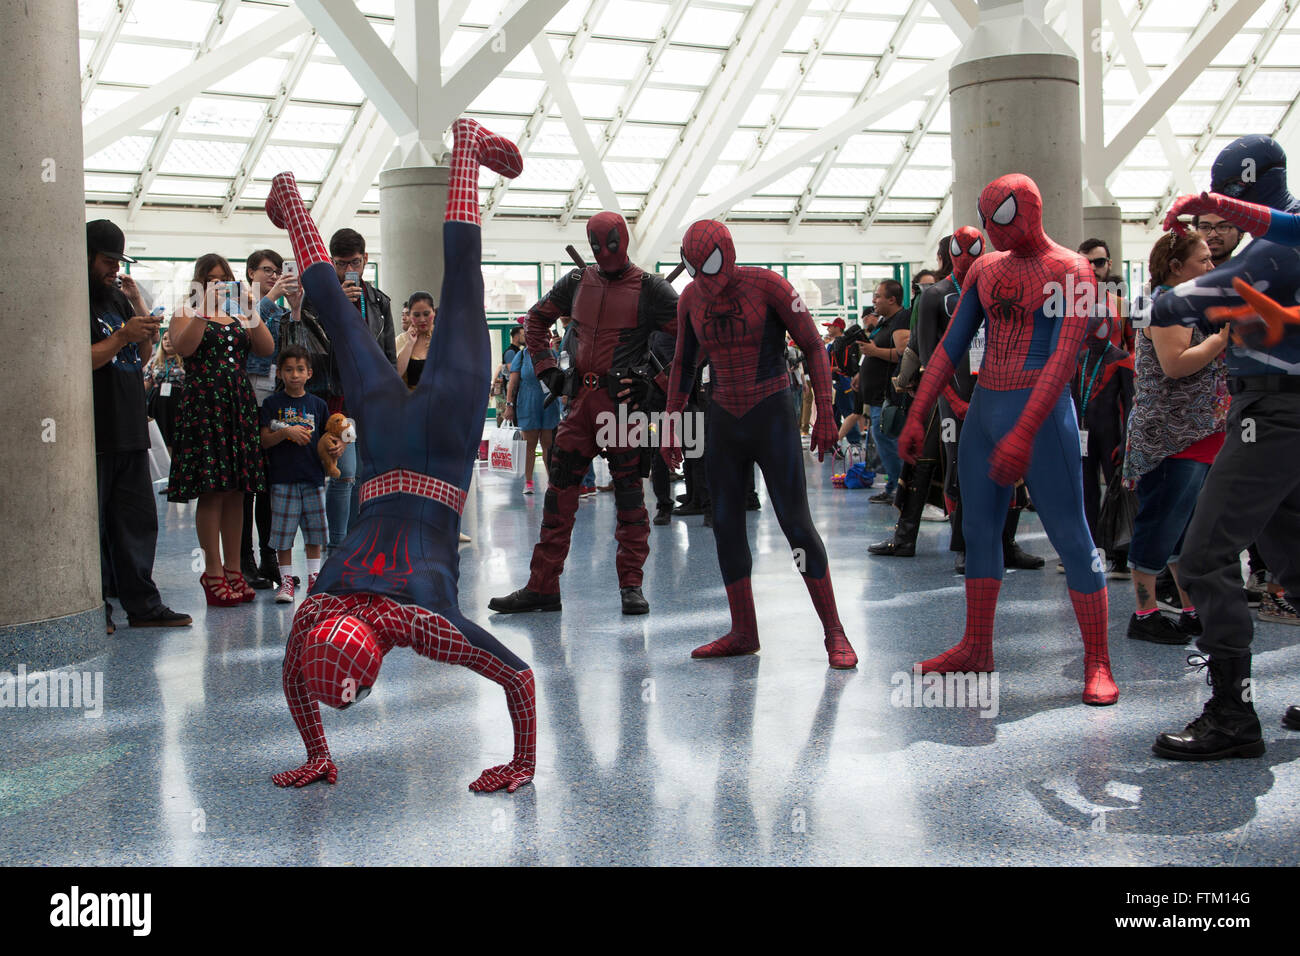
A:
x: 398, y: 569
x: 737, y: 317
x: 1020, y: 421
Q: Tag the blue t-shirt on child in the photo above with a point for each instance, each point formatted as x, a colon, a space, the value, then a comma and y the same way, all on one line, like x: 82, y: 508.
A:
x: 289, y: 463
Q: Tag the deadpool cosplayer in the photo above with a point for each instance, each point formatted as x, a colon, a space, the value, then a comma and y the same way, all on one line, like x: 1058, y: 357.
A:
x: 736, y: 318
x: 394, y: 581
x: 1020, y: 422
x: 615, y: 307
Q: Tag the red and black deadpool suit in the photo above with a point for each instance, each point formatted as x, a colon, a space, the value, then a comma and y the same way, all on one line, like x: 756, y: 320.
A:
x: 615, y: 307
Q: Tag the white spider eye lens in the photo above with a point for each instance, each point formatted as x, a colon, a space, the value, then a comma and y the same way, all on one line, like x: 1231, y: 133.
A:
x: 977, y: 247
x: 1006, y: 212
x: 954, y: 247
x: 712, y: 265
x: 690, y: 269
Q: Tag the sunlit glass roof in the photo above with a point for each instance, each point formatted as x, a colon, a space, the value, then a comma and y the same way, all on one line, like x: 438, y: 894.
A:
x: 639, y: 72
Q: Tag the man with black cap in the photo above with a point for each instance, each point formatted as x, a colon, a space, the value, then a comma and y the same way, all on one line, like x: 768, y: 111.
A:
x: 128, y: 516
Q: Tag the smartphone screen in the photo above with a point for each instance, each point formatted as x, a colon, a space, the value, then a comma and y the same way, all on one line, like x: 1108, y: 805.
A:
x: 352, y: 277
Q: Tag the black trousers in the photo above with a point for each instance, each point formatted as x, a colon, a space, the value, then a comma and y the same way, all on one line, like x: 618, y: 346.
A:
x: 128, y: 530
x: 1252, y: 493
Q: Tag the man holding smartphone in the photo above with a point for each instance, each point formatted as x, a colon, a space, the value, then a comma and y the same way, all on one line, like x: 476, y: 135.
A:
x: 128, y: 516
x: 348, y: 252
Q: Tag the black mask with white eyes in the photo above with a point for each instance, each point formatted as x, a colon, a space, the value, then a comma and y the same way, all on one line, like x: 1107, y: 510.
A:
x: 690, y: 269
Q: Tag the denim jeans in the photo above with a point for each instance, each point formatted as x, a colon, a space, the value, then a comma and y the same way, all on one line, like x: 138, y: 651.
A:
x: 341, y: 500
x: 1166, y: 499
x: 888, y: 449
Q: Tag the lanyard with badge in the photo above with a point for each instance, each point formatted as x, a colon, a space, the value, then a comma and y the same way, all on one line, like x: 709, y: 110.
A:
x: 1084, y: 397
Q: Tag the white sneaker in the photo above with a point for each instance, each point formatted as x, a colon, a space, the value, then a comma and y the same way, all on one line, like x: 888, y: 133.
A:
x: 933, y: 513
x: 464, y: 538
x: 285, y: 594
x: 311, y: 581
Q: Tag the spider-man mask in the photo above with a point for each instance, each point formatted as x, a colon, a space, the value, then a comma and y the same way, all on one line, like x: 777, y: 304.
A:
x: 965, y: 246
x: 1252, y: 168
x: 341, y: 661
x: 1011, y: 210
x: 709, y: 256
x: 607, y: 233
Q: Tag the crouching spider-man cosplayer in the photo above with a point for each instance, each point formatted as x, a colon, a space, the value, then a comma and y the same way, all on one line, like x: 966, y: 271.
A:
x: 616, y: 307
x: 737, y: 316
x: 1020, y: 422
x: 393, y: 583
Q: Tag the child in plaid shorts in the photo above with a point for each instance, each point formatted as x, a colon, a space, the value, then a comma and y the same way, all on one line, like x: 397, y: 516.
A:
x: 292, y: 425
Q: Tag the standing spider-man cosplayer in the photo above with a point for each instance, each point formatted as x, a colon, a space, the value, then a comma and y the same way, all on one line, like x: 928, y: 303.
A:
x: 1020, y: 422
x: 393, y: 583
x: 615, y: 307
x: 737, y: 317
x: 937, y: 306
x: 1252, y: 492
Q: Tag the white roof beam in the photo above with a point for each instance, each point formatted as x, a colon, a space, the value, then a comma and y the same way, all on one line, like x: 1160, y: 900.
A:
x: 417, y: 44
x: 172, y: 124
x: 901, y: 33
x: 1127, y: 45
x: 288, y: 81
x: 1219, y: 26
x: 630, y: 93
x: 541, y: 47
x: 941, y: 224
x: 937, y: 99
x: 559, y: 89
x: 193, y: 79
x: 759, y: 42
x: 353, y: 171
x: 960, y: 15
x: 453, y: 10
x: 374, y: 67
x: 500, y: 44
x: 1239, y: 84
x: 103, y: 47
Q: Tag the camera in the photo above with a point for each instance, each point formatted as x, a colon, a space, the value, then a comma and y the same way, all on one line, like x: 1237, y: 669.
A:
x: 854, y: 334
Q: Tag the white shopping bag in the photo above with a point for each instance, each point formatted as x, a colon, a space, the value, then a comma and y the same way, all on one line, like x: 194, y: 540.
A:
x: 160, y: 463
x: 506, y: 452
x: 601, y: 467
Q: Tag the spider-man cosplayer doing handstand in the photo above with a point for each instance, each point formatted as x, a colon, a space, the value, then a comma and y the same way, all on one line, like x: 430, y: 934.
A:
x: 616, y: 307
x: 1020, y: 421
x: 393, y: 583
x: 737, y: 317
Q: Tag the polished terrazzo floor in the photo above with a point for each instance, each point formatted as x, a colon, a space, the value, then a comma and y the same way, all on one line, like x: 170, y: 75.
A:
x: 646, y: 756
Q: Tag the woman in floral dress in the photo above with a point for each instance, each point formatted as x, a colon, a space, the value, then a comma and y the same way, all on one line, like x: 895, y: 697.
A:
x: 218, y: 456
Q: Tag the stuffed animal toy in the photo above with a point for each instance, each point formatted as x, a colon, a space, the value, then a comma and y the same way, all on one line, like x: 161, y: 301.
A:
x: 342, y: 428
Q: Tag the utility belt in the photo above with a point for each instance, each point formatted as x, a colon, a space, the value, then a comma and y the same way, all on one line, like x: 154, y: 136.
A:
x: 1263, y: 383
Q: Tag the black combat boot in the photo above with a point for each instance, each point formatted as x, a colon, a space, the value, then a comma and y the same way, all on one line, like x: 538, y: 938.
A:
x: 1014, y: 556
x: 524, y: 600
x: 634, y: 601
x: 903, y: 543
x: 1228, y: 726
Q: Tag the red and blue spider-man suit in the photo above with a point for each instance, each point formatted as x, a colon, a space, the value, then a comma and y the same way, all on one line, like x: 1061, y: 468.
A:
x: 1020, y: 422
x: 615, y: 306
x: 736, y: 317
x: 394, y: 581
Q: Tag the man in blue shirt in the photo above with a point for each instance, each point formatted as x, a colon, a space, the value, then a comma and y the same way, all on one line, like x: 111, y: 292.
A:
x: 128, y: 513
x: 1252, y: 492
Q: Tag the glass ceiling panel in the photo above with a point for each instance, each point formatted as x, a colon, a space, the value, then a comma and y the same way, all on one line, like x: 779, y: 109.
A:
x: 202, y: 158
x: 168, y: 19
x: 161, y: 38
x: 632, y: 18
x: 144, y: 65
x: 692, y: 67
x: 663, y: 106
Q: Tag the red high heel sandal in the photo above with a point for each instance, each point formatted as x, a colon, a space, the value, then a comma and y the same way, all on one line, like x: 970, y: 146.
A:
x: 239, y: 587
x: 219, y: 593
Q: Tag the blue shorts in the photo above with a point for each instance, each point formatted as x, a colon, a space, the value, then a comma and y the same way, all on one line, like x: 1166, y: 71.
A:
x: 1166, y: 499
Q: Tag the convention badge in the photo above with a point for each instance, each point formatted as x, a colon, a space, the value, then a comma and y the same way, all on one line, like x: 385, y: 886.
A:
x: 165, y: 389
x: 977, y: 352
x: 1083, y: 443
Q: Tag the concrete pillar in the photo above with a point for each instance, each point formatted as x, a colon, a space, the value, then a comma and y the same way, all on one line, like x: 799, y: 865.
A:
x: 1014, y: 104
x: 51, y: 612
x: 412, y: 201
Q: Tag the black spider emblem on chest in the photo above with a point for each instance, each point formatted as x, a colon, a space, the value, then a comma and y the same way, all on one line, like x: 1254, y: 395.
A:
x: 724, y: 322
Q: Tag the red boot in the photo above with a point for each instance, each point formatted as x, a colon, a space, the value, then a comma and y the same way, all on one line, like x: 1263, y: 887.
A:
x: 1092, y: 612
x: 975, y: 652
x: 743, y: 636
x: 839, y: 652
